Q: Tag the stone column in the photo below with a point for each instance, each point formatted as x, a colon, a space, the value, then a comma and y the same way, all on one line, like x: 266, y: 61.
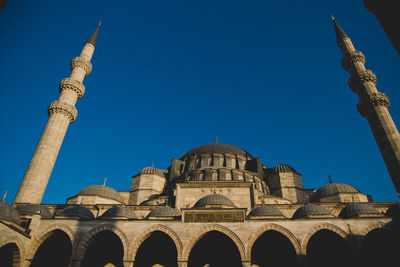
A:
x: 61, y: 113
x: 246, y: 263
x: 182, y: 263
x: 373, y: 105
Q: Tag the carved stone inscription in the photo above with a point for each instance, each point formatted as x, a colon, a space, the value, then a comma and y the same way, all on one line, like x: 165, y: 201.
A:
x: 226, y: 216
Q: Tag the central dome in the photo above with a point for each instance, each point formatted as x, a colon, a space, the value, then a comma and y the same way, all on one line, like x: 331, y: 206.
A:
x: 216, y: 148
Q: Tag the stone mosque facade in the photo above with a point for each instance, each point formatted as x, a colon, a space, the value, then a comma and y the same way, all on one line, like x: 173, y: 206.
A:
x: 216, y: 205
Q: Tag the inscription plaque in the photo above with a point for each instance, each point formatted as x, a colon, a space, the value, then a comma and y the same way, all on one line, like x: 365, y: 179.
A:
x: 226, y: 216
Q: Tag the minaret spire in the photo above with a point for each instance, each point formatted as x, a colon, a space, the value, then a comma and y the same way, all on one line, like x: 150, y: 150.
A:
x: 61, y: 113
x: 373, y: 105
x: 93, y: 38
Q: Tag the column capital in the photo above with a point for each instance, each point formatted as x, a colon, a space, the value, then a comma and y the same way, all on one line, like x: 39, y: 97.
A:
x: 81, y: 63
x: 67, y: 110
x: 70, y: 84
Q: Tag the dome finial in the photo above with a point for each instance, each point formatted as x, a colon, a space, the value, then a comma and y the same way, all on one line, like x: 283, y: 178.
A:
x: 4, y: 196
x: 330, y: 180
x: 105, y: 179
x: 340, y: 34
x: 216, y: 139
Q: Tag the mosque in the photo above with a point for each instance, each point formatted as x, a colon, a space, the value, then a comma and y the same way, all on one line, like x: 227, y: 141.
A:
x: 216, y: 205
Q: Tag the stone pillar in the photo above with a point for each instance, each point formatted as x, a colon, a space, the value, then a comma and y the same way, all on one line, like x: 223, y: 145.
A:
x: 373, y: 105
x: 246, y: 263
x: 128, y: 263
x: 61, y: 113
x: 182, y: 263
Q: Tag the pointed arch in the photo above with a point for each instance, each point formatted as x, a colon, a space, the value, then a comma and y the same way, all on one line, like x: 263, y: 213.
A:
x: 371, y: 227
x: 18, y: 255
x: 274, y: 227
x: 318, y: 227
x: 84, y: 243
x: 214, y: 227
x: 38, y: 239
x: 147, y: 232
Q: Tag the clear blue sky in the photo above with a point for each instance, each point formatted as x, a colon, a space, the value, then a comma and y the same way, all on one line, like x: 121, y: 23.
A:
x: 171, y: 75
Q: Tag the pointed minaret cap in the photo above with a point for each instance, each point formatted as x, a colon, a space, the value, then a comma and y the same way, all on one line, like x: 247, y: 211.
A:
x: 340, y: 34
x: 93, y: 38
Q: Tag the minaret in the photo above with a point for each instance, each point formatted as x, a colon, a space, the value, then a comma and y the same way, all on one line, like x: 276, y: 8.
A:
x: 372, y: 105
x: 61, y: 112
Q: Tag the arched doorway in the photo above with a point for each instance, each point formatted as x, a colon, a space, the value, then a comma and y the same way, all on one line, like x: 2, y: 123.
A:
x: 9, y: 255
x: 273, y: 249
x: 105, y: 249
x: 54, y: 251
x: 326, y: 248
x: 157, y: 250
x: 216, y: 250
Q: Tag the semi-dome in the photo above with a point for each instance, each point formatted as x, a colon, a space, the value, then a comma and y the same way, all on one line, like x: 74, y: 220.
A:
x: 101, y: 191
x: 151, y: 170
x: 8, y: 213
x: 332, y: 189
x: 119, y: 212
x: 214, y: 200
x: 76, y: 211
x: 265, y: 211
x: 283, y: 168
x: 216, y: 148
x: 359, y: 209
x: 164, y: 211
x: 32, y: 209
x: 311, y: 210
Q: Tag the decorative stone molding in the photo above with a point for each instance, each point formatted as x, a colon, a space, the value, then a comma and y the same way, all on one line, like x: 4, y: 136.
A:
x: 349, y: 59
x: 58, y: 107
x: 137, y: 242
x: 69, y: 84
x: 318, y: 227
x: 84, y: 243
x: 272, y: 227
x: 214, y: 227
x: 356, y: 81
x: 365, y: 106
x: 38, y: 239
x: 372, y: 227
x: 79, y: 62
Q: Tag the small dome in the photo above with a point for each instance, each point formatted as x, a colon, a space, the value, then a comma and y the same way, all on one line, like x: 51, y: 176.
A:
x: 151, y: 170
x: 215, y: 148
x: 76, y: 211
x: 358, y: 209
x: 332, y: 189
x: 283, y: 168
x: 394, y: 210
x: 311, y: 210
x: 32, y: 209
x: 8, y: 213
x: 214, y: 199
x: 101, y: 191
x: 164, y: 211
x: 265, y: 210
x: 119, y: 212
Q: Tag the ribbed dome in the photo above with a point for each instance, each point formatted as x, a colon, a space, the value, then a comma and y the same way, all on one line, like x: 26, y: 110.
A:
x: 151, y: 170
x: 101, y: 191
x: 216, y: 148
x: 393, y: 210
x: 164, y: 211
x: 214, y: 199
x: 32, y: 209
x: 119, y: 212
x: 8, y: 213
x: 332, y: 189
x: 358, y: 209
x: 265, y: 210
x: 283, y: 168
x: 76, y: 211
x: 311, y: 210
